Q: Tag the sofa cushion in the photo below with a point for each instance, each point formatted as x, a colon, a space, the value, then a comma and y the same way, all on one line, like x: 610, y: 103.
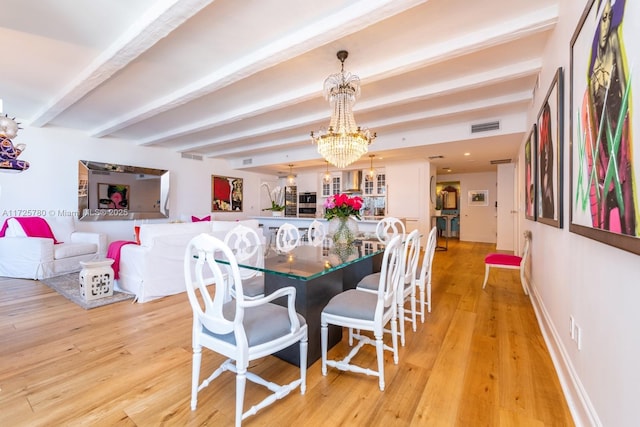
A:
x: 62, y: 227
x: 68, y: 250
x: 204, y: 218
x: 148, y: 232
x: 252, y: 223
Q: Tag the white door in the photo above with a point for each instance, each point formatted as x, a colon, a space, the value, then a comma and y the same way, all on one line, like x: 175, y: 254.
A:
x: 506, y: 209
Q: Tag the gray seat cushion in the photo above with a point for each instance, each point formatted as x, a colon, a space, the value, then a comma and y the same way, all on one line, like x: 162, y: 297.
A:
x: 370, y: 282
x: 354, y: 304
x: 253, y: 286
x: 261, y: 324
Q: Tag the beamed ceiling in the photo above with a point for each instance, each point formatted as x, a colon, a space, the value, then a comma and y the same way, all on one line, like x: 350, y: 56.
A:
x: 242, y: 80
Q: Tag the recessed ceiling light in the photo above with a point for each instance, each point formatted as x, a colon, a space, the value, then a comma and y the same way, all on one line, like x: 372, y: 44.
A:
x: 467, y: 154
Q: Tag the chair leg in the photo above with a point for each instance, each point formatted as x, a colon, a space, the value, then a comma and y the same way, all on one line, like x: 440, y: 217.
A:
x: 486, y: 275
x: 241, y: 381
x: 422, y: 304
x: 401, y: 318
x: 324, y: 330
x: 380, y: 357
x: 413, y: 311
x: 303, y: 365
x: 195, y: 376
x: 394, y: 340
x: 428, y: 296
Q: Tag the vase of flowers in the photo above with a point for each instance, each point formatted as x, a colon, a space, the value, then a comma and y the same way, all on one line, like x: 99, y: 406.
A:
x: 276, y: 197
x: 342, y: 212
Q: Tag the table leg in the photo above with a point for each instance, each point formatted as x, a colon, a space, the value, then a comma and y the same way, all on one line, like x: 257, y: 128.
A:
x: 311, y: 298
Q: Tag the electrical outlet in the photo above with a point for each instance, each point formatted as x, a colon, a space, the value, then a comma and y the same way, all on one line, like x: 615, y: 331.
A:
x: 578, y: 336
x: 572, y: 327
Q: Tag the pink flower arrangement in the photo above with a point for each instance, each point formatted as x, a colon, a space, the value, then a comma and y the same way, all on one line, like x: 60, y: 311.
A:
x: 342, y: 206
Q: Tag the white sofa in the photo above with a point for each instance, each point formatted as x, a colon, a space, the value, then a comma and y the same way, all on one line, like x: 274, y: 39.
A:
x: 154, y: 268
x: 39, y: 258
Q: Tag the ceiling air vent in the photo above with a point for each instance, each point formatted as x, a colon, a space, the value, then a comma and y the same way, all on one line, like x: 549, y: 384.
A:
x: 500, y: 162
x: 246, y: 162
x: 191, y: 156
x: 485, y: 127
x: 436, y: 157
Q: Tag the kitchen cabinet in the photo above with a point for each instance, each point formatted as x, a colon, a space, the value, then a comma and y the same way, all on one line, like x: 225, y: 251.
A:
x: 374, y: 186
x: 332, y: 187
x: 374, y: 194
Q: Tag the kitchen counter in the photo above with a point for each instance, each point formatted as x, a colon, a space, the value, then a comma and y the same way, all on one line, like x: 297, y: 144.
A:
x: 365, y: 225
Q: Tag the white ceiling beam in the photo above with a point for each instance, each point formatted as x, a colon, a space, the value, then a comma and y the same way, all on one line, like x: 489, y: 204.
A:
x: 502, y: 74
x: 348, y: 20
x: 162, y: 18
x: 481, y: 105
x: 525, y: 26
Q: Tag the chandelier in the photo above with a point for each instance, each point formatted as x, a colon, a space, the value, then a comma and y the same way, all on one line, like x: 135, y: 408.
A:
x: 344, y: 142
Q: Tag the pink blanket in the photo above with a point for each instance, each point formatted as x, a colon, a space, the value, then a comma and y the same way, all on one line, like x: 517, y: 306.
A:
x: 33, y: 226
x: 113, y: 252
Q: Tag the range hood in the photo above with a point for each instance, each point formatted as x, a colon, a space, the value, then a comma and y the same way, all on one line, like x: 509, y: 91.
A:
x: 352, y: 181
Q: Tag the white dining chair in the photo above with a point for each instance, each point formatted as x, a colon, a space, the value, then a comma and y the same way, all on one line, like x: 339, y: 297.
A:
x: 389, y: 227
x: 407, y: 290
x: 287, y: 237
x: 316, y: 233
x: 246, y: 245
x: 368, y: 311
x: 235, y: 328
x: 423, y: 281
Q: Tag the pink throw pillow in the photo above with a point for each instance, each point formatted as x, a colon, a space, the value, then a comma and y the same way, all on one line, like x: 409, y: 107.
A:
x: 204, y: 218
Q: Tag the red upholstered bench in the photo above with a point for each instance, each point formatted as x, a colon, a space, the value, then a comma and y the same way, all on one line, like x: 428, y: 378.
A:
x: 514, y: 262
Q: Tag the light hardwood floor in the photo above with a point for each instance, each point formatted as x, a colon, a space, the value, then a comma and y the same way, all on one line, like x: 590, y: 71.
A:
x: 478, y: 360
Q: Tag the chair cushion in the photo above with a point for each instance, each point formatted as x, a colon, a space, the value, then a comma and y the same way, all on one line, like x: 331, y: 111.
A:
x: 262, y: 324
x: 370, y: 282
x: 503, y: 259
x: 353, y: 303
x: 68, y: 250
x: 253, y: 286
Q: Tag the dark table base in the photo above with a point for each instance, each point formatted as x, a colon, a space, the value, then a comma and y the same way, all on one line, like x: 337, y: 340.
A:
x: 311, y: 298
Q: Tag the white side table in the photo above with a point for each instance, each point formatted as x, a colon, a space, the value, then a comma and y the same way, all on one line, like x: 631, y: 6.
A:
x: 96, y: 279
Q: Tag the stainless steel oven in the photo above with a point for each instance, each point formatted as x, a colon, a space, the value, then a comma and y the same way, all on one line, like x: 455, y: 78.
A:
x: 307, y: 205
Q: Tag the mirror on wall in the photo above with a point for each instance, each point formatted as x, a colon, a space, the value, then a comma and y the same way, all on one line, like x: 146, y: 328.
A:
x: 108, y: 191
x: 449, y: 198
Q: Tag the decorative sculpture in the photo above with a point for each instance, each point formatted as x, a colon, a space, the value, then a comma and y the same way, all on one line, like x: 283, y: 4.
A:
x: 8, y: 152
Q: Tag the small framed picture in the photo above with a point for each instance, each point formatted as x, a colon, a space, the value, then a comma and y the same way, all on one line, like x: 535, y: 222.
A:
x: 226, y: 194
x: 530, y: 150
x: 478, y: 197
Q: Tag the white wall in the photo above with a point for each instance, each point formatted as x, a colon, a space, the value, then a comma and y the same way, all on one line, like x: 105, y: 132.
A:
x: 597, y: 284
x: 477, y: 223
x: 408, y: 194
x: 50, y: 186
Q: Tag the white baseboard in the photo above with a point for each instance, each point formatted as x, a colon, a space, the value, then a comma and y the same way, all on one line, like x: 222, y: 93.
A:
x: 582, y: 411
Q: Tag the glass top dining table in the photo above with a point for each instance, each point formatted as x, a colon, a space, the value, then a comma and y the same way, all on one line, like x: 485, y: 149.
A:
x: 317, y: 272
x: 307, y: 261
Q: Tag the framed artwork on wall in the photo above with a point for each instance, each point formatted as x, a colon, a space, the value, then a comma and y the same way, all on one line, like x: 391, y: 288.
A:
x: 113, y: 196
x: 478, y: 198
x: 549, y: 155
x: 604, y: 164
x: 530, y: 149
x: 226, y: 194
